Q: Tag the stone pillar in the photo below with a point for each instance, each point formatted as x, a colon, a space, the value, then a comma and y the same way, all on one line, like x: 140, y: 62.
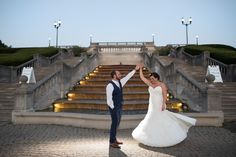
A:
x: 214, y: 98
x: 205, y: 55
x: 214, y: 104
x: 24, y: 96
x: 231, y: 73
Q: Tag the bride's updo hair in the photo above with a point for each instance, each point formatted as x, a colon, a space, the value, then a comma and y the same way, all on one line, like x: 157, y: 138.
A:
x: 156, y: 75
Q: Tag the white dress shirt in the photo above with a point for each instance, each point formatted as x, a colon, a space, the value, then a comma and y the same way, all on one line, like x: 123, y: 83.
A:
x: 110, y: 88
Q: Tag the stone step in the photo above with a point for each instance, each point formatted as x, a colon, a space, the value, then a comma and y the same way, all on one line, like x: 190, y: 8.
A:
x: 103, y: 96
x: 5, y: 111
x: 228, y: 101
x: 6, y: 103
x: 108, y: 79
x: 108, y: 76
x: 103, y: 88
x: 104, y: 92
x: 9, y: 107
x: 99, y: 104
x: 97, y: 101
x: 98, y: 82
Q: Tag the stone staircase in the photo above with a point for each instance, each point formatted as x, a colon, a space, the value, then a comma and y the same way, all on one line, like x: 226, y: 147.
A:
x: 196, y: 72
x: 228, y: 90
x: 90, y: 93
x: 7, y: 94
x: 7, y: 101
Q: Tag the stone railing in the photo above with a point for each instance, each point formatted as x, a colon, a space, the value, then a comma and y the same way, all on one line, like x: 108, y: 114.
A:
x: 191, y: 92
x: 12, y: 74
x: 193, y: 60
x: 38, y: 96
x: 228, y: 72
x: 122, y: 47
x: 42, y: 94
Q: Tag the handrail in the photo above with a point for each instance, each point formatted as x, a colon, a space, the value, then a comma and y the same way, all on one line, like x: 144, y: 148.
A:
x: 31, y: 63
x: 192, y: 81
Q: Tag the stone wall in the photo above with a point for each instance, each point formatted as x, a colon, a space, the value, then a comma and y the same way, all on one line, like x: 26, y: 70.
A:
x: 119, y: 58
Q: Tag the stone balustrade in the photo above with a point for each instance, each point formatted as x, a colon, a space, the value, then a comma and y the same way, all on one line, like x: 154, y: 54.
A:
x: 189, y: 89
x: 121, y: 47
x: 11, y: 74
x: 228, y: 72
x: 42, y: 94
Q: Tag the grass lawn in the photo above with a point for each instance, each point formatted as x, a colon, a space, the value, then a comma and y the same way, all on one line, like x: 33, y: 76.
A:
x: 17, y: 56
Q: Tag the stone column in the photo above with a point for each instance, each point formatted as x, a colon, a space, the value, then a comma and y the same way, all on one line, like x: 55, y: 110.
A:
x: 214, y: 103
x: 214, y: 98
x: 205, y: 55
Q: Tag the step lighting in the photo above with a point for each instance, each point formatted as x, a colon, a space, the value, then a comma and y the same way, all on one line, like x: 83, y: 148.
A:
x: 82, y: 82
x: 57, y: 105
x: 179, y: 105
x: 71, y: 95
x: 95, y: 71
x: 92, y: 74
x: 86, y: 77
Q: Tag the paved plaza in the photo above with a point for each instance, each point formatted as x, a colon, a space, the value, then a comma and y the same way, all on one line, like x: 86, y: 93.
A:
x: 66, y: 141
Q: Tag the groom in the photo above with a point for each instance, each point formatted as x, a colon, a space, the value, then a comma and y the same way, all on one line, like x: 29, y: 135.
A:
x: 114, y: 94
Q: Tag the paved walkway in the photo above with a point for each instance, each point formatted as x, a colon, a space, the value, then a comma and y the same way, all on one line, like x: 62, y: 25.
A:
x: 65, y: 141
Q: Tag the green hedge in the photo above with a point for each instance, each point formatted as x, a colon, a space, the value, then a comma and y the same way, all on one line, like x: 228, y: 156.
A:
x: 163, y: 51
x: 17, y: 56
x: 223, y: 53
x: 78, y: 50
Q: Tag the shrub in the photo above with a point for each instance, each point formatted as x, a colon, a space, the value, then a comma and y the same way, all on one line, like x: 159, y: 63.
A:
x: 17, y: 56
x: 222, y: 53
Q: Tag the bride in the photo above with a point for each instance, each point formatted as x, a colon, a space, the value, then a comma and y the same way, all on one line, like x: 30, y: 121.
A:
x: 160, y: 127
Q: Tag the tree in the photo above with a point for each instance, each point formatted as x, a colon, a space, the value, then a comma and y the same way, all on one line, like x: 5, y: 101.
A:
x: 2, y: 45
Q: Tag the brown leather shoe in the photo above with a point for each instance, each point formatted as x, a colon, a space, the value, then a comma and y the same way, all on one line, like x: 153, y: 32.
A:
x: 114, y: 145
x: 118, y: 142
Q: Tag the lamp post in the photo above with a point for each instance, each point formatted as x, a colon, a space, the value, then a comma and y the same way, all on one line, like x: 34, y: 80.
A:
x: 196, y: 39
x: 57, y: 25
x: 91, y: 38
x: 153, y: 39
x: 49, y: 42
x: 186, y: 23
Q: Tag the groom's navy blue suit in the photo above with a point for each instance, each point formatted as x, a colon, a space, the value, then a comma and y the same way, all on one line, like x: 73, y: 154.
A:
x: 115, y: 102
x: 117, y: 97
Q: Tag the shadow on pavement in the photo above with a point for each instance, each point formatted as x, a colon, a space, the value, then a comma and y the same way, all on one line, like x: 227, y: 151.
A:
x: 231, y: 126
x: 114, y: 152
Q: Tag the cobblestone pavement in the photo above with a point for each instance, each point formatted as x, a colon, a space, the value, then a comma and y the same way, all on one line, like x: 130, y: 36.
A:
x: 61, y: 141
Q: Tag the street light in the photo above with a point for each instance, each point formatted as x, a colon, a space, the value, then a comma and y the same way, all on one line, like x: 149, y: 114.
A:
x: 49, y: 42
x: 196, y: 39
x: 57, y: 25
x: 153, y: 35
x: 90, y: 38
x: 186, y: 23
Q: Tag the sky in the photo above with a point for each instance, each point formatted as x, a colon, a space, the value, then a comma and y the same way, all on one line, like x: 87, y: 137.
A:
x: 29, y: 23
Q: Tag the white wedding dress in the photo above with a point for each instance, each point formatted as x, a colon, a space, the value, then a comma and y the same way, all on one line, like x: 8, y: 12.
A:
x: 161, y: 128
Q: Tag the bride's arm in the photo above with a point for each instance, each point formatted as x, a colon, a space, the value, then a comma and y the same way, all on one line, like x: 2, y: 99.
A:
x: 164, y: 93
x: 146, y: 81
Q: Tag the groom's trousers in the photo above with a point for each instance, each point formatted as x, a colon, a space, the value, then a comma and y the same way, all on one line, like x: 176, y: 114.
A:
x: 115, y: 121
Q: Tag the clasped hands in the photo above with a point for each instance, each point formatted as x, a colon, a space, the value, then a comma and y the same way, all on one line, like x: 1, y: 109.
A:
x: 138, y: 66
